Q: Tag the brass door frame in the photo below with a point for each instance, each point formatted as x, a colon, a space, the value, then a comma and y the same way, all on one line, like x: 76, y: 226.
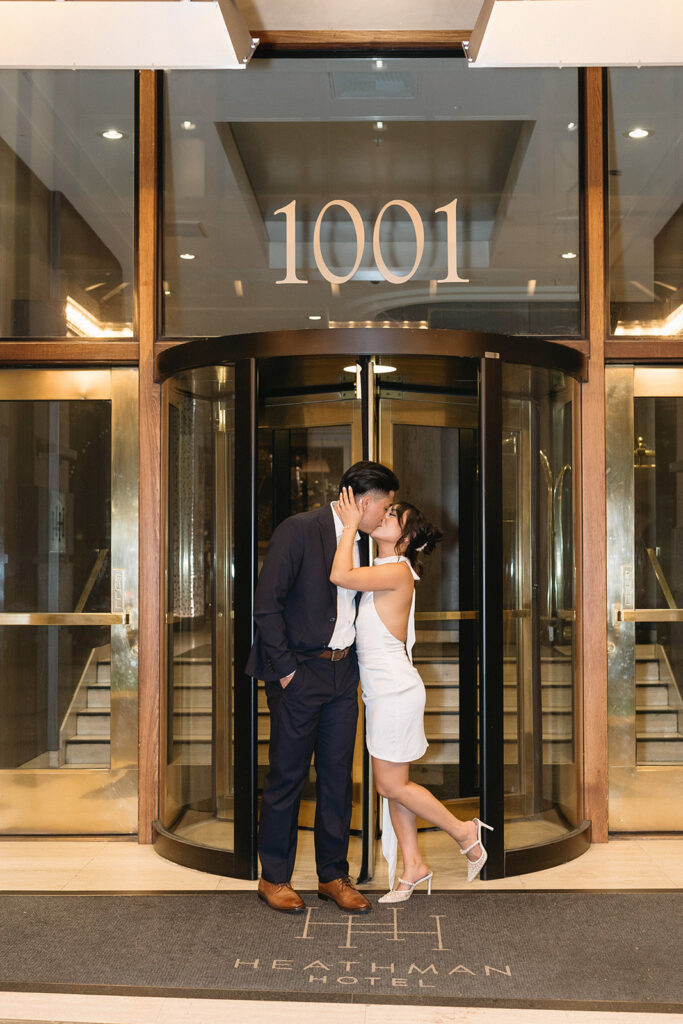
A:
x: 641, y: 797
x: 90, y: 801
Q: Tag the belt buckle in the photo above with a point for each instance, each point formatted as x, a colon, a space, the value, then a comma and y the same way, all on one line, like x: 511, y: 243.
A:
x: 337, y: 655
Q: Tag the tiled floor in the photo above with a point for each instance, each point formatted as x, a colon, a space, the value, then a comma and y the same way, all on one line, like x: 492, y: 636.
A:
x: 74, y: 865
x: 91, y: 864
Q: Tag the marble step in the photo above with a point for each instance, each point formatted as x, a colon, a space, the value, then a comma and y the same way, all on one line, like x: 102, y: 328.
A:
x: 665, y: 747
x: 103, y: 672
x: 88, y: 750
x: 98, y: 696
x: 93, y: 722
x: 653, y: 694
x: 657, y: 720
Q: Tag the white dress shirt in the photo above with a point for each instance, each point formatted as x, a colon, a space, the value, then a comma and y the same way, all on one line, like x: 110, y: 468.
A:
x: 345, y: 628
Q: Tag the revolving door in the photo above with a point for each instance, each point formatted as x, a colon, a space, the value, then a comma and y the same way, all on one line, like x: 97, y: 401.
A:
x: 480, y: 430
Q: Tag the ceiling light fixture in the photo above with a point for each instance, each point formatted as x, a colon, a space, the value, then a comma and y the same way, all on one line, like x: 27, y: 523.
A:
x: 379, y: 125
x: 379, y: 64
x: 188, y: 126
x: 187, y: 256
x: 568, y: 255
x: 113, y: 134
x: 638, y: 133
x: 314, y: 316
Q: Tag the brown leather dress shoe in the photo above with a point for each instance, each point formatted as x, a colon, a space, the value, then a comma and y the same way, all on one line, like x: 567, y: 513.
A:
x: 280, y: 897
x: 342, y: 892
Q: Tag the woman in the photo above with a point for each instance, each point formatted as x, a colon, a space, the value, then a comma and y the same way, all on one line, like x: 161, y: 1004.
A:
x: 393, y: 691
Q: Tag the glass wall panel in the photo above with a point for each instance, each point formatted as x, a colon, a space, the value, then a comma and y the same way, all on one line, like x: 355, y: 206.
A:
x: 55, y: 556
x: 351, y: 192
x: 66, y: 203
x: 658, y: 529
x: 646, y: 201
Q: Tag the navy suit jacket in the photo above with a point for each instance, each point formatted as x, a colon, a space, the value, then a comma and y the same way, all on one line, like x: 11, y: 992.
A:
x: 295, y: 607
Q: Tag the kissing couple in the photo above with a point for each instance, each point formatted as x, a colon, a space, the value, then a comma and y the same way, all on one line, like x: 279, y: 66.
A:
x: 324, y: 621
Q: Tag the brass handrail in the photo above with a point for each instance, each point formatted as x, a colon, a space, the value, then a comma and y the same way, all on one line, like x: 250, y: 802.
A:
x: 90, y: 582
x: 649, y: 614
x: 64, y: 618
x: 661, y: 578
x: 508, y: 613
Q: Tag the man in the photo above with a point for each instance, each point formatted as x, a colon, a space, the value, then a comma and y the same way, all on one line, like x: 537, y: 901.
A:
x: 304, y: 651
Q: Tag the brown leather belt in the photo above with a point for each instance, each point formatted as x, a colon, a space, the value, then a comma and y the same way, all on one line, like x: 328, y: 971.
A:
x: 329, y: 655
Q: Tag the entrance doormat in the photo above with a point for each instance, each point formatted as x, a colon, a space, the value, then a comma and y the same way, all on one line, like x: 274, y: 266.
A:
x: 574, y: 950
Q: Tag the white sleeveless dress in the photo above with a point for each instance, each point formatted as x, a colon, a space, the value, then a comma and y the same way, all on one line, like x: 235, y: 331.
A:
x: 393, y: 694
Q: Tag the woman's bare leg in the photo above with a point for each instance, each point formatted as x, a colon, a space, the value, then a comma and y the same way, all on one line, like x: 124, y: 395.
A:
x: 405, y: 827
x: 392, y: 781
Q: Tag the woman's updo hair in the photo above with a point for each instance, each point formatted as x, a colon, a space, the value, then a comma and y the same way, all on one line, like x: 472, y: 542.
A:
x: 421, y: 535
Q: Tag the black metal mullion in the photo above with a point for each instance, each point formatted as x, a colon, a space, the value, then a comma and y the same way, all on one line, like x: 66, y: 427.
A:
x: 467, y: 596
x: 368, y: 798
x: 245, y: 561
x: 491, y: 613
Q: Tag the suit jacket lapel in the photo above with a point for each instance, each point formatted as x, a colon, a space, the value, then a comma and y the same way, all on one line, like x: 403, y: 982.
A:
x: 328, y: 536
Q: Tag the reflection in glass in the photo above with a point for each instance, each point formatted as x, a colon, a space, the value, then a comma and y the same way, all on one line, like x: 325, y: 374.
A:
x: 268, y: 150
x: 645, y: 190
x: 658, y: 507
x: 67, y: 195
x: 540, y: 741
x: 55, y: 547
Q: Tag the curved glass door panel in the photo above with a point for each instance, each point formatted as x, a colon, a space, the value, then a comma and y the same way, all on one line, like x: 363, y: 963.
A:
x: 428, y: 422
x: 198, y: 791
x: 539, y: 725
x: 309, y: 432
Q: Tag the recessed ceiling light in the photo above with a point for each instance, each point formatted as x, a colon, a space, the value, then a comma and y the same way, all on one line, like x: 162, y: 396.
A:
x: 380, y: 368
x: 188, y: 126
x: 314, y: 316
x: 187, y: 256
x: 568, y: 255
x: 638, y: 133
x: 113, y: 134
x: 572, y: 126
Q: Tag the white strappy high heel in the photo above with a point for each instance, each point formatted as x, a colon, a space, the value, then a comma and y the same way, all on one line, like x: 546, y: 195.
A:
x: 401, y: 895
x: 475, y: 866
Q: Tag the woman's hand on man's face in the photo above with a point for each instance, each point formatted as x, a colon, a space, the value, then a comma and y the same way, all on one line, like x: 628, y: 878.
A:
x: 347, y: 509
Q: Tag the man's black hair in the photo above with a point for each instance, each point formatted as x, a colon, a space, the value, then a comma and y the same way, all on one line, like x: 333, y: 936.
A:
x: 369, y: 476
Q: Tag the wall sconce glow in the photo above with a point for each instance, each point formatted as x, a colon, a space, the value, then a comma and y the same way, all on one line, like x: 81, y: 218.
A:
x: 187, y: 256
x: 84, y: 325
x: 572, y: 126
x: 113, y: 134
x: 568, y: 255
x: 638, y: 133
x: 188, y: 126
x: 314, y: 316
